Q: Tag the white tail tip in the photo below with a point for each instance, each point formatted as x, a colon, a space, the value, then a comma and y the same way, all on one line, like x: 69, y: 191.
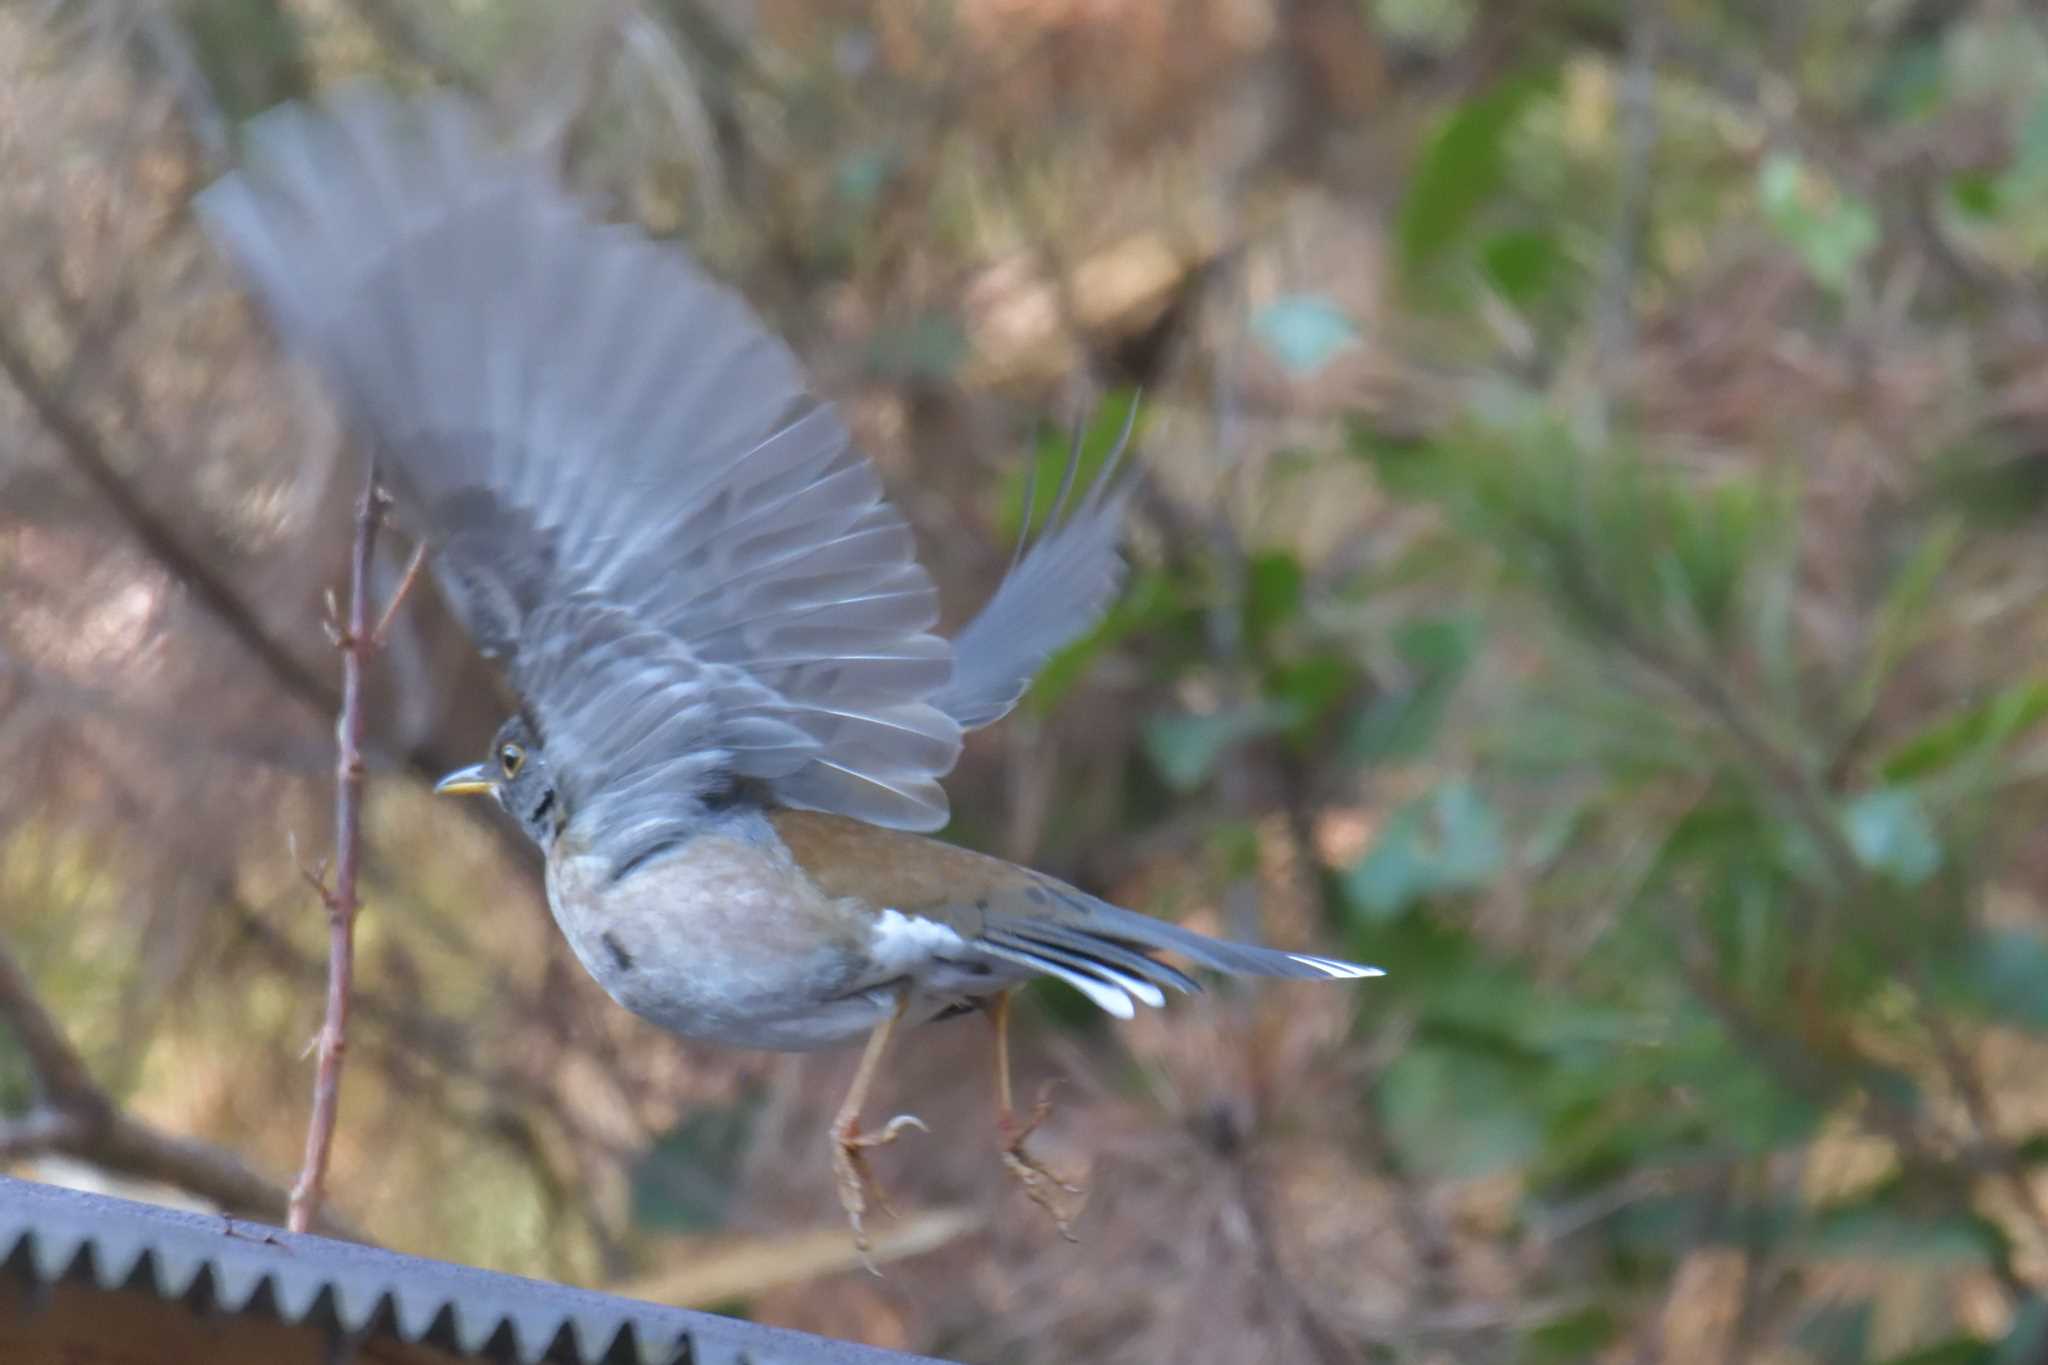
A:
x: 1339, y: 971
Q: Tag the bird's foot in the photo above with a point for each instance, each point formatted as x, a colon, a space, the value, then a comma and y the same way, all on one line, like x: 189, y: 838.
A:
x: 1041, y: 1186
x: 856, y: 1181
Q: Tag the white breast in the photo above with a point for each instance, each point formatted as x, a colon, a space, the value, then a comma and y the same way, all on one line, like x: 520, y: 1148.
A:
x: 726, y: 941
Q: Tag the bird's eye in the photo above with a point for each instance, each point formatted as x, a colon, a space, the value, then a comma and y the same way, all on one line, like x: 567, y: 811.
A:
x: 510, y: 758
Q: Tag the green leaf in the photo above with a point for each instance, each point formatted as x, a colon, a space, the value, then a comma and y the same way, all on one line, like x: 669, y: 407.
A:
x: 1406, y: 466
x: 1447, y: 841
x: 1756, y: 1113
x: 1402, y: 724
x: 1878, y: 1230
x: 251, y: 53
x: 1459, y: 1112
x: 1576, y: 1336
x: 1304, y: 332
x: 1976, y: 194
x: 1461, y: 169
x: 1273, y: 594
x: 1186, y: 748
x: 2004, y: 974
x: 684, y: 1182
x: 1980, y: 729
x: 1904, y: 613
x: 1311, y: 686
x: 1911, y: 85
x: 1831, y: 230
x: 1522, y: 265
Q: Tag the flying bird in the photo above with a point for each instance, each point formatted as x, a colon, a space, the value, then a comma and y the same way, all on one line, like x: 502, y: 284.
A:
x: 734, y: 711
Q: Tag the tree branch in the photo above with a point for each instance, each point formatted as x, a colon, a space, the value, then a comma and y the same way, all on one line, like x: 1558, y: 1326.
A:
x: 75, y: 1117
x: 357, y: 640
x: 81, y: 445
x: 82, y: 448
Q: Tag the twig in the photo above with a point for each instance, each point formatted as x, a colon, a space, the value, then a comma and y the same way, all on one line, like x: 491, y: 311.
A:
x: 357, y: 642
x: 398, y: 595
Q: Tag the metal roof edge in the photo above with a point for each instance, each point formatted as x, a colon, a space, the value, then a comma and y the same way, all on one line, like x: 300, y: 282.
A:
x: 49, y: 1234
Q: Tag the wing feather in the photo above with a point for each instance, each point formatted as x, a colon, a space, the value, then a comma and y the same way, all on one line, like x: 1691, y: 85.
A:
x: 687, y: 568
x: 1057, y: 588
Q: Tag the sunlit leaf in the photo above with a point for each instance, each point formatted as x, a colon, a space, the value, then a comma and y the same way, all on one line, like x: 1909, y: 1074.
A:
x: 1304, y: 332
x: 1891, y: 834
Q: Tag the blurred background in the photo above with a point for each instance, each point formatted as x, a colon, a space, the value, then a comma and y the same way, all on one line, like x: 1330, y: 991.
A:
x: 1589, y: 561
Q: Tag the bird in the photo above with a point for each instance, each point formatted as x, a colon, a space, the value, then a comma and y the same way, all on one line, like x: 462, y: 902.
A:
x: 734, y: 708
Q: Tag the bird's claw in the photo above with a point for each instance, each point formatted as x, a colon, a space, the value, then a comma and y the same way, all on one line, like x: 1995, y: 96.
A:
x: 856, y: 1181
x: 1041, y: 1186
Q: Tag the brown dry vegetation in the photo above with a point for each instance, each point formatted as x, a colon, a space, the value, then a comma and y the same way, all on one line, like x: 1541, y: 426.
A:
x: 1587, y: 561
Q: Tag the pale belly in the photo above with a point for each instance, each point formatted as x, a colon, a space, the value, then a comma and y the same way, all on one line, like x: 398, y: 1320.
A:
x: 729, y: 951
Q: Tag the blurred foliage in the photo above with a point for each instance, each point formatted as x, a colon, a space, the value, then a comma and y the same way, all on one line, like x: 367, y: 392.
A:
x: 1586, y: 559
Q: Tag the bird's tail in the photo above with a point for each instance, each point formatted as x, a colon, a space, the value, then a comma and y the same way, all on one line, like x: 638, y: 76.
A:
x: 1105, y: 951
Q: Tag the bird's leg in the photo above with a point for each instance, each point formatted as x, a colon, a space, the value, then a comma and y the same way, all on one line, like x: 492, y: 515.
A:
x: 850, y: 1144
x: 1041, y: 1186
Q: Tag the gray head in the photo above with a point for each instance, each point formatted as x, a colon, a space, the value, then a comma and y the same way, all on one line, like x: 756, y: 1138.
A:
x: 517, y: 774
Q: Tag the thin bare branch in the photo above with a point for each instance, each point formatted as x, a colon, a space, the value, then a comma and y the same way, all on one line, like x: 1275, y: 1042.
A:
x: 356, y: 646
x: 398, y: 595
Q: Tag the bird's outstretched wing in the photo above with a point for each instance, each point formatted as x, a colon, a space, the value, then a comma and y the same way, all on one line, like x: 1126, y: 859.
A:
x: 1056, y: 589
x: 633, y: 501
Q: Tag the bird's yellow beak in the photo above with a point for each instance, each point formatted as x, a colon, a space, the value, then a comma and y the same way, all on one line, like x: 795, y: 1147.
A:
x: 475, y: 780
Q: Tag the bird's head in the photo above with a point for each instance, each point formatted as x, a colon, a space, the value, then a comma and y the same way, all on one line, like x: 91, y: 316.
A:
x: 517, y: 774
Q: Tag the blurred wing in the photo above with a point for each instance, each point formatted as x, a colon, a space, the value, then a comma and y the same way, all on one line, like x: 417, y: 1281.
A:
x: 603, y: 446
x: 1054, y: 593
